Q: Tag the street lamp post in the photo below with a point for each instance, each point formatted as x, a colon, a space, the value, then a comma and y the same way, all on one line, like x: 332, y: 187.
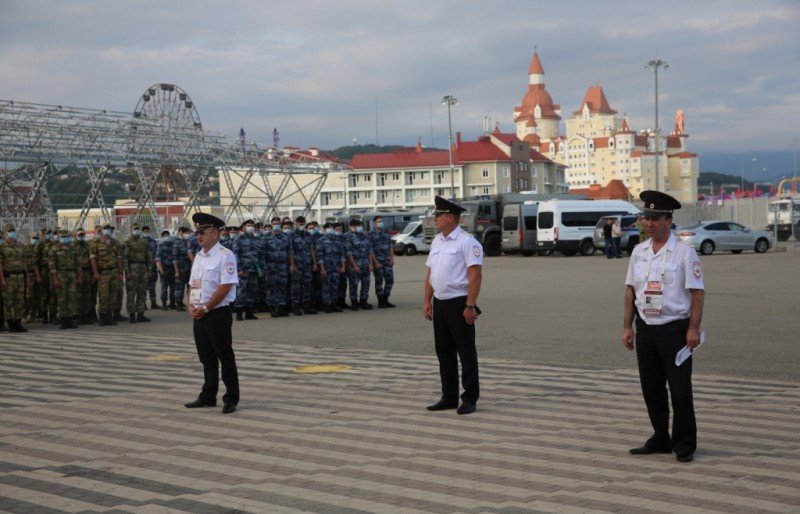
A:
x: 449, y: 101
x: 655, y: 65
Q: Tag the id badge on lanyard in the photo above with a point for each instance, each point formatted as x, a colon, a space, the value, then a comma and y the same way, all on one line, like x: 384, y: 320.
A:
x: 194, y: 293
x: 654, y: 291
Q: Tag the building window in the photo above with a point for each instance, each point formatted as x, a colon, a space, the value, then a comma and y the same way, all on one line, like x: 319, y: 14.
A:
x: 485, y: 172
x: 506, y: 171
x: 506, y: 188
x: 474, y: 190
x: 486, y: 190
x: 395, y: 176
x: 533, y: 171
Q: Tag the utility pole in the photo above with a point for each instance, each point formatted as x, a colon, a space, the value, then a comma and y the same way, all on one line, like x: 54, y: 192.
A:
x: 655, y: 65
x: 449, y: 101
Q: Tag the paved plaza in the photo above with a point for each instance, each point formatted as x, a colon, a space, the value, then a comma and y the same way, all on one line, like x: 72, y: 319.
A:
x: 93, y: 421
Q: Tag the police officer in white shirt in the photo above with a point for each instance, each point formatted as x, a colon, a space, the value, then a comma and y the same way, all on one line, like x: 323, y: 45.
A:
x: 665, y: 294
x: 452, y: 286
x: 213, y: 289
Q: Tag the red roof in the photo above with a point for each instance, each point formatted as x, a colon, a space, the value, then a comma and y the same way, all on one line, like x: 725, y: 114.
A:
x: 684, y: 155
x: 624, y: 129
x: 538, y: 157
x: 601, y: 142
x: 505, y: 138
x: 596, y: 100
x: 480, y: 150
x: 640, y: 140
x: 533, y: 139
x: 536, y: 65
x: 400, y: 159
x: 673, y: 142
x: 614, y: 190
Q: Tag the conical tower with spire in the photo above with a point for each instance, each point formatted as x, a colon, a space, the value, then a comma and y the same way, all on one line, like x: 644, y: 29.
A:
x: 538, y: 117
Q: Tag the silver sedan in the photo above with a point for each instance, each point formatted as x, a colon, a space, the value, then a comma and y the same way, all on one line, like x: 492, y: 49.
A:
x: 709, y: 236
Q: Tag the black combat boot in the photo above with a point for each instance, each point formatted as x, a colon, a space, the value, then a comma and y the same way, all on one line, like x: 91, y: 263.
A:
x: 296, y: 311
x: 342, y: 304
x: 335, y: 308
x: 131, y: 318
x: 53, y: 319
x: 238, y: 313
x: 381, y: 302
x: 386, y: 301
x: 154, y: 305
x: 180, y: 307
x: 20, y: 328
x: 12, y: 327
x: 172, y: 305
x: 327, y: 308
x: 118, y: 316
x: 354, y: 305
x: 249, y: 314
x: 110, y: 318
x: 103, y: 320
x: 73, y: 322
x: 141, y: 318
x: 63, y: 323
x: 364, y: 305
x: 45, y: 320
x: 309, y: 308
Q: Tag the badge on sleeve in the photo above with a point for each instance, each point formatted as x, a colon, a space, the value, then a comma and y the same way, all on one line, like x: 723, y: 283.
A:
x: 229, y: 268
x: 476, y: 250
x: 698, y: 271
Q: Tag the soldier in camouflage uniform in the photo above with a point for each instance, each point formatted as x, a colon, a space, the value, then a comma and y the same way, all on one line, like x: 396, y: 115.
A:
x: 263, y: 289
x: 32, y: 291
x: 120, y: 287
x: 359, y: 257
x: 98, y: 234
x: 136, y: 262
x: 382, y: 262
x: 331, y: 261
x: 182, y: 265
x: 107, y: 272
x: 641, y: 226
x: 152, y: 245
x: 279, y: 256
x: 305, y: 261
x: 86, y: 312
x: 250, y: 265
x: 341, y: 239
x: 166, y: 270
x: 14, y: 268
x: 65, y: 275
x: 2, y: 310
x: 225, y: 238
x: 47, y: 297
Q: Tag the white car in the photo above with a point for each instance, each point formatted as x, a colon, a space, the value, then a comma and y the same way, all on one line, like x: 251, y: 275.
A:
x: 410, y: 240
x: 709, y: 236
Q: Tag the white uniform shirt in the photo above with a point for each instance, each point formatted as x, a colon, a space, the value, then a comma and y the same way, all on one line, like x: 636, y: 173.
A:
x: 677, y: 266
x: 449, y: 259
x: 212, y: 269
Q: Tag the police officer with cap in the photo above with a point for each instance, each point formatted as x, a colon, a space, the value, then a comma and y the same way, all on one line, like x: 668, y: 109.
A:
x: 213, y: 288
x: 664, y: 294
x: 452, y: 285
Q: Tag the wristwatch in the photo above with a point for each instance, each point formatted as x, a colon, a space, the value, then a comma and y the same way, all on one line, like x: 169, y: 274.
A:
x: 205, y: 309
x: 468, y: 306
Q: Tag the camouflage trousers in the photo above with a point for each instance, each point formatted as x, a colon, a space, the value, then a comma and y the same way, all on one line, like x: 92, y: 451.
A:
x: 32, y: 293
x: 136, y: 283
x: 48, y: 301
x: 362, y: 278
x: 384, y: 280
x: 302, y: 285
x: 151, y: 284
x: 277, y: 285
x: 247, y: 293
x: 180, y: 284
x: 85, y: 290
x: 67, y: 293
x: 330, y: 285
x: 107, y: 291
x: 14, y: 296
x: 168, y: 285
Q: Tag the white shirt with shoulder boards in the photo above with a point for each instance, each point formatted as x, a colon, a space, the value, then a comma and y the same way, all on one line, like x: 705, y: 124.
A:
x: 212, y: 269
x: 676, y: 266
x: 448, y: 261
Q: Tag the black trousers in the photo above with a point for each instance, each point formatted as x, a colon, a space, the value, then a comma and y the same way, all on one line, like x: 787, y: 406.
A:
x: 214, y: 341
x: 455, y: 339
x: 656, y: 347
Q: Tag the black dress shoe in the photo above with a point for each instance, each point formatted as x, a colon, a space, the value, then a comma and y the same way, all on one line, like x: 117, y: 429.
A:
x: 684, y: 456
x: 466, y: 408
x: 647, y: 450
x: 443, y: 404
x: 200, y: 403
x: 228, y: 407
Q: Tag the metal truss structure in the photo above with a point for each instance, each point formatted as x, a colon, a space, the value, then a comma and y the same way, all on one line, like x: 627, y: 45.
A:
x: 162, y: 141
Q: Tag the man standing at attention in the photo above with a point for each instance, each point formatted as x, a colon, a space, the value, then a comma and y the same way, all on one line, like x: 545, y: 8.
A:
x: 452, y: 286
x: 213, y: 288
x: 137, y: 262
x: 107, y: 273
x: 665, y: 293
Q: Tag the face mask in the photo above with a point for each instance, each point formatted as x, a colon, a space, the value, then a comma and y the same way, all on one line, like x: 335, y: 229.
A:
x: 81, y: 238
x: 106, y: 232
x: 12, y: 235
x: 300, y: 229
x: 250, y: 230
x: 146, y: 234
x: 187, y: 236
x: 35, y: 241
x: 287, y: 230
x: 338, y: 232
x: 359, y: 229
x: 276, y: 228
x: 49, y: 237
x: 64, y: 240
x: 379, y: 225
x: 329, y: 231
x: 225, y: 238
x: 137, y: 233
x: 234, y: 234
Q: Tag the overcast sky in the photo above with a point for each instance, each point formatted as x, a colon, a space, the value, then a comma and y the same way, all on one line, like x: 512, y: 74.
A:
x: 315, y: 69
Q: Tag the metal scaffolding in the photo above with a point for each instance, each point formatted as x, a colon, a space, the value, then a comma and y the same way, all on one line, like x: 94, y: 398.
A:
x: 162, y: 141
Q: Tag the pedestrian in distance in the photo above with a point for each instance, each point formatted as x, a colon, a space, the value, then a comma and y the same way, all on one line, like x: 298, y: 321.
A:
x: 14, y: 272
x: 616, y: 238
x: 382, y: 262
x: 212, y: 283
x: 452, y: 286
x: 607, y: 238
x: 664, y: 294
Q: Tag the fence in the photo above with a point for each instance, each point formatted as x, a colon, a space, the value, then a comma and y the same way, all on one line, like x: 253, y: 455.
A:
x: 750, y: 212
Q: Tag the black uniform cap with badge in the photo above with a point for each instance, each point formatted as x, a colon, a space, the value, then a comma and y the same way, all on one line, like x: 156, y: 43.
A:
x: 444, y: 206
x: 657, y: 204
x: 203, y: 221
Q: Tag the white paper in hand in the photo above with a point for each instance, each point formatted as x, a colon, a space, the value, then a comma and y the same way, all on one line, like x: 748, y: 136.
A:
x: 686, y: 352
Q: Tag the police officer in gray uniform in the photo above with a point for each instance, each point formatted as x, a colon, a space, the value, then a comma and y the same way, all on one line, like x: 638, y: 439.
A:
x: 250, y: 259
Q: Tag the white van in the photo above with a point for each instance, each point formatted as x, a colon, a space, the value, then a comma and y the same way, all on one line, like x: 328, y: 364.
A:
x: 410, y: 240
x: 567, y: 226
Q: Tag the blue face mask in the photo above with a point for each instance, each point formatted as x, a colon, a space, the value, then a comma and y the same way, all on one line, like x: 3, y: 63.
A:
x: 35, y: 241
x: 11, y: 235
x: 300, y: 229
x: 81, y: 238
x: 287, y: 230
x: 359, y: 229
x: 137, y: 233
x: 329, y: 231
x: 106, y: 232
x: 64, y: 240
x: 276, y: 228
x: 49, y: 237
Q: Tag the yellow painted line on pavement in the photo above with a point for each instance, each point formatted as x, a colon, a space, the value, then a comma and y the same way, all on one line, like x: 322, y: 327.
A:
x: 169, y: 357
x: 322, y: 368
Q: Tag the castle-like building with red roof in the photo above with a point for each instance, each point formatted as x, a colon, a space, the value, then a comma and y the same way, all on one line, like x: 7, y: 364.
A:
x: 600, y: 147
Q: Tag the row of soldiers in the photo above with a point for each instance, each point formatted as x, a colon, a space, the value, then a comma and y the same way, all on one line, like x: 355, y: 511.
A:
x: 289, y: 266
x: 60, y: 279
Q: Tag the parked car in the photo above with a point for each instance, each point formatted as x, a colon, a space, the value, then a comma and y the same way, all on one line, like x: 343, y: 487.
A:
x: 709, y: 236
x: 410, y: 240
x: 630, y: 233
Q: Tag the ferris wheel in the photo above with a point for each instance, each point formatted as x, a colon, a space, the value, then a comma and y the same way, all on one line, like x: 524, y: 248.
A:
x: 172, y: 107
